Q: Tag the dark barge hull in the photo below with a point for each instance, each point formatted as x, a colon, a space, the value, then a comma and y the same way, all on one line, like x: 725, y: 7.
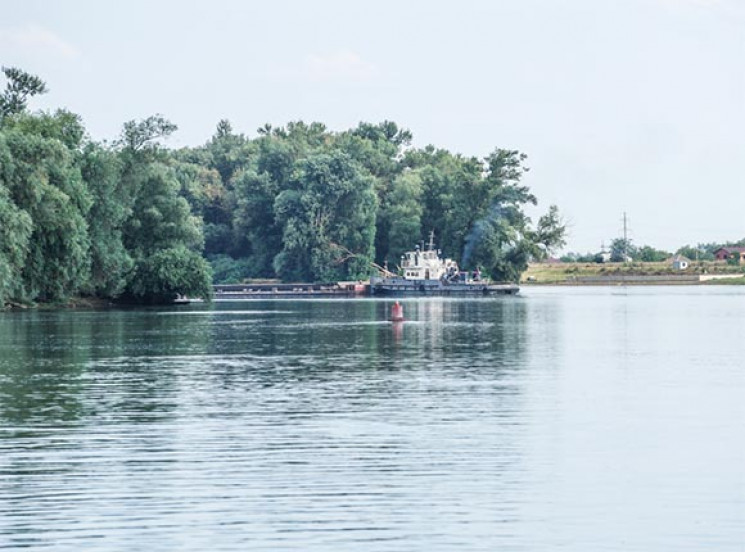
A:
x: 399, y: 287
x: 242, y: 292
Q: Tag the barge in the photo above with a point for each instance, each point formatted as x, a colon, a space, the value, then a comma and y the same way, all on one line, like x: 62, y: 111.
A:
x: 239, y: 292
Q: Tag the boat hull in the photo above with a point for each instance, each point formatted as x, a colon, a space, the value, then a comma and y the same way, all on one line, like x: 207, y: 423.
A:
x: 437, y: 288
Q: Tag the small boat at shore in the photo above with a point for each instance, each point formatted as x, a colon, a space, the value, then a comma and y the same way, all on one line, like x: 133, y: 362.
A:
x: 427, y: 273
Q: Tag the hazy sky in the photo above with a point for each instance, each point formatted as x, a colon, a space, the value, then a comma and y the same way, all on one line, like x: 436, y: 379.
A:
x: 626, y: 105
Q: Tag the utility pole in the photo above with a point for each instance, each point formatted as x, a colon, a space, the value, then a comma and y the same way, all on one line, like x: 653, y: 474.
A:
x: 625, y: 238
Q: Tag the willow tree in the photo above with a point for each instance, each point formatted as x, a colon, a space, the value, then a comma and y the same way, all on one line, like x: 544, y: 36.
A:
x: 15, y: 231
x: 161, y: 234
x: 44, y: 182
x: 45, y: 242
x: 111, y: 263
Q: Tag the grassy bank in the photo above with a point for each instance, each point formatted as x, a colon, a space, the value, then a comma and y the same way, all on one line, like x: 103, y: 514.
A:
x: 569, y: 273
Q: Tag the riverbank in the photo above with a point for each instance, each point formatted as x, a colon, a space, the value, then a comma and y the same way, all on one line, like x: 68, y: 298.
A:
x: 72, y: 303
x: 584, y: 274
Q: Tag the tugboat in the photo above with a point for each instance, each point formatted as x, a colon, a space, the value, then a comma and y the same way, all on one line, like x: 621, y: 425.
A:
x: 426, y: 273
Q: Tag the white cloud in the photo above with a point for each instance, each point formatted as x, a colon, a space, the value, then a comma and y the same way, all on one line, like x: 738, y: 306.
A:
x: 34, y: 40
x: 339, y: 66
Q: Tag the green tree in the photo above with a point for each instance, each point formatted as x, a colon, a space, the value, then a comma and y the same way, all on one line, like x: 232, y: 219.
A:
x: 297, y: 201
x: 403, y: 215
x: 111, y: 263
x: 700, y: 252
x: 328, y: 221
x: 227, y: 270
x: 161, y: 277
x: 378, y: 148
x: 161, y: 218
x: 622, y: 250
x: 43, y: 180
x: 257, y: 232
x: 550, y: 233
x: 161, y: 227
x: 454, y: 195
x: 61, y: 125
x: 204, y: 190
x: 229, y: 152
x: 574, y: 257
x: 140, y: 135
x: 649, y: 254
x: 18, y: 89
x: 15, y: 231
x: 503, y: 241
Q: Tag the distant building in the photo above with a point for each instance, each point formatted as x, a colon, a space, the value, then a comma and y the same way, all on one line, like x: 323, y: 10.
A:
x: 603, y: 257
x: 724, y: 253
x: 680, y: 262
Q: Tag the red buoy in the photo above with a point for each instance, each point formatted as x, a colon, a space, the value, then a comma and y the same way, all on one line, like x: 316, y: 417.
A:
x: 397, y: 312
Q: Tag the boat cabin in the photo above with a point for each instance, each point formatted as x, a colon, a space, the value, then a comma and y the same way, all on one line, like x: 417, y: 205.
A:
x: 426, y: 265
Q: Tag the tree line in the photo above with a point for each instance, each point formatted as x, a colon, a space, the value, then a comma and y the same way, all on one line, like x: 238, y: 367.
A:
x: 621, y: 250
x: 135, y: 221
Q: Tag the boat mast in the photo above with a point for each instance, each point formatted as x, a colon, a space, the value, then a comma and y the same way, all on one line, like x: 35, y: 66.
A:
x: 431, y: 245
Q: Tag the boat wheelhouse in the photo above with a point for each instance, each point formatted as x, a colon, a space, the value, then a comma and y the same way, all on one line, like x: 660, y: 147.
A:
x: 425, y: 272
x: 426, y: 265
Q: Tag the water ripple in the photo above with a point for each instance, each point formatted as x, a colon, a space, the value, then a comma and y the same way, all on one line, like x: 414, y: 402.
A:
x: 527, y: 424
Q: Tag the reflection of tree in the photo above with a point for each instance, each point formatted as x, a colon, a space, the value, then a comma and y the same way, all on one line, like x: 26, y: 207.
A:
x: 272, y: 399
x: 56, y: 368
x: 40, y: 368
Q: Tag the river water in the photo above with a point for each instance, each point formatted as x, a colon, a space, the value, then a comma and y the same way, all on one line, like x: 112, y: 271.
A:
x: 565, y: 418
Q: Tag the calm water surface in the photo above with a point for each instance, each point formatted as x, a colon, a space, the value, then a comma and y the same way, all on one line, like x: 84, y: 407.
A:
x: 577, y: 419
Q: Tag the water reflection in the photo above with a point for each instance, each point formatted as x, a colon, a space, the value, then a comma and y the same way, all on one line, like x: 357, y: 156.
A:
x: 40, y: 368
x: 50, y: 362
x: 320, y: 425
x: 321, y: 411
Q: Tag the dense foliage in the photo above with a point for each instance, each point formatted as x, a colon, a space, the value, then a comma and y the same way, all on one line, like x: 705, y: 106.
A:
x: 302, y: 203
x: 80, y: 218
x: 135, y: 221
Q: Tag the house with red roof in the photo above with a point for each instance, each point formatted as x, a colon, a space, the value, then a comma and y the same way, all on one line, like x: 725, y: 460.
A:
x: 724, y: 253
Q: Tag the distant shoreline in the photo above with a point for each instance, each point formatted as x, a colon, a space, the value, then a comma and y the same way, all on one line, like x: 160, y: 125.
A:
x: 591, y: 274
x: 632, y: 282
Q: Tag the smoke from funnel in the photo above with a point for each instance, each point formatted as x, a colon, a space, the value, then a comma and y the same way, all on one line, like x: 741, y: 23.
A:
x: 478, y: 230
